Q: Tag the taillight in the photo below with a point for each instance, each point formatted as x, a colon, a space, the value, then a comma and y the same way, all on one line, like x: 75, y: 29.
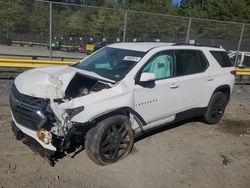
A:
x: 233, y: 72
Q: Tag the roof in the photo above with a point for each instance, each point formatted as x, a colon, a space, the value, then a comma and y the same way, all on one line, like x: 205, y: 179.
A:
x: 139, y: 46
x: 146, y: 46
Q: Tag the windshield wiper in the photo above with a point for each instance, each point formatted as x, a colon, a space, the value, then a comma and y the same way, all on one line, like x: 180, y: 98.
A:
x: 75, y: 64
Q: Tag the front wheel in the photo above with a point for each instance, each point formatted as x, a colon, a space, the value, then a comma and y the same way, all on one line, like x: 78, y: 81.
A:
x: 112, y: 139
x: 216, y: 108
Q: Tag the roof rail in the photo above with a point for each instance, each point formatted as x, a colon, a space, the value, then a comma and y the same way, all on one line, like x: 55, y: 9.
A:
x: 201, y: 45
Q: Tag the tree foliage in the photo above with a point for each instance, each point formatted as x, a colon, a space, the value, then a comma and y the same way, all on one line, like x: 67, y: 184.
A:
x: 226, y: 10
x: 32, y: 17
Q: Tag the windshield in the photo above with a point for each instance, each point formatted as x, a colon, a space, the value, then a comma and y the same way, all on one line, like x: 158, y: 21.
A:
x: 111, y: 63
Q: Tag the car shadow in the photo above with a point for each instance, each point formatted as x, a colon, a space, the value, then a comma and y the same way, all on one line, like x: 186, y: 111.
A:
x: 164, y: 127
x: 154, y: 131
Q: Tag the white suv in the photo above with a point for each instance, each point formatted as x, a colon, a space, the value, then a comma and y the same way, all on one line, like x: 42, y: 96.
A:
x: 243, y: 59
x: 117, y: 93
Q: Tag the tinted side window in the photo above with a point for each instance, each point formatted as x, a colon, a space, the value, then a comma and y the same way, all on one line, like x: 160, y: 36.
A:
x: 222, y: 58
x: 189, y: 62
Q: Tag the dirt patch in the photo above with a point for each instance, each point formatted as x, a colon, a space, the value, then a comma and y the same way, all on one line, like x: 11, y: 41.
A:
x: 235, y: 127
x: 189, y: 155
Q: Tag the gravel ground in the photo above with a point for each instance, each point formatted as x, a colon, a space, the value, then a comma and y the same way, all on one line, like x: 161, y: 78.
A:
x: 190, y: 154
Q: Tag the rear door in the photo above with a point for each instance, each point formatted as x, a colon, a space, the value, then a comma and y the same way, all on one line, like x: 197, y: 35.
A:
x: 191, y: 68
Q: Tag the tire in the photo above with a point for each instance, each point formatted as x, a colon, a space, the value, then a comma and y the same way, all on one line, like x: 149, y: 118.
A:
x: 216, y: 108
x: 111, y: 140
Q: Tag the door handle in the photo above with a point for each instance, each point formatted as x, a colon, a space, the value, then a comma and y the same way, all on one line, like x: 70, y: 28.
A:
x: 210, y: 78
x: 174, y: 86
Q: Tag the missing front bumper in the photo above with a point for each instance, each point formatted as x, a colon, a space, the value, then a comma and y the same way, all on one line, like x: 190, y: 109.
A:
x: 34, y: 145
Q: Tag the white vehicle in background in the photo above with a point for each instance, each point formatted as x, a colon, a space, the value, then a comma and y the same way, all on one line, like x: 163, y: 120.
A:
x: 243, y: 60
x: 119, y: 92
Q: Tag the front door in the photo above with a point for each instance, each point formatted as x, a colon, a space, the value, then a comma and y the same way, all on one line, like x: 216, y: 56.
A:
x: 158, y: 101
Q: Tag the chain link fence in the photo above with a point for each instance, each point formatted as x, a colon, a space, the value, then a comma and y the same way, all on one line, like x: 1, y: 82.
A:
x: 76, y: 24
x: 29, y: 27
x: 155, y: 27
x: 209, y: 32
x: 245, y: 46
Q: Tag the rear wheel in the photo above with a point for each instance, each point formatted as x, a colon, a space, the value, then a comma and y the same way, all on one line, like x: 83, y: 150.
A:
x: 216, y: 108
x: 111, y: 140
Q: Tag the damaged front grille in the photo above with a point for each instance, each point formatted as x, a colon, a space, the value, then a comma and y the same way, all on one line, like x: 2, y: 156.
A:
x: 32, y: 101
x: 27, y: 110
x: 26, y: 117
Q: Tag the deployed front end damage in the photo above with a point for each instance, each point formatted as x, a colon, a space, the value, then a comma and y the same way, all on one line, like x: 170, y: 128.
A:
x: 45, y: 123
x: 56, y: 109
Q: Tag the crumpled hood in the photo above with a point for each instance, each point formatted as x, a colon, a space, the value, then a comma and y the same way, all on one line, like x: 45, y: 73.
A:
x: 48, y: 82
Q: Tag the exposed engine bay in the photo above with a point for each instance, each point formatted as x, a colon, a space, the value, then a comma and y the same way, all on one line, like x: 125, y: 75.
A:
x: 71, y: 133
x: 82, y: 85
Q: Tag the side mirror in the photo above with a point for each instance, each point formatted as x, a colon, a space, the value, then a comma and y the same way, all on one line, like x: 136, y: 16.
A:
x: 147, y: 76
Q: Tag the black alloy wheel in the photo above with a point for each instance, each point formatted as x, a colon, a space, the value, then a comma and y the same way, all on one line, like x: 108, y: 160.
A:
x: 216, y: 108
x: 110, y: 140
x: 115, y: 142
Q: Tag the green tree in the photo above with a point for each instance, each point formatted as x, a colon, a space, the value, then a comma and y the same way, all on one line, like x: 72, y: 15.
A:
x: 226, y: 10
x: 14, y: 15
x: 107, y: 23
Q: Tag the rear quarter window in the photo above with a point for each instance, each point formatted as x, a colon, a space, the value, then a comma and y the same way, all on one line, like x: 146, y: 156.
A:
x: 222, y: 58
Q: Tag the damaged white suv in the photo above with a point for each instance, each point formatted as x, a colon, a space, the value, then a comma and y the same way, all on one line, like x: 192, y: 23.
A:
x: 117, y: 93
